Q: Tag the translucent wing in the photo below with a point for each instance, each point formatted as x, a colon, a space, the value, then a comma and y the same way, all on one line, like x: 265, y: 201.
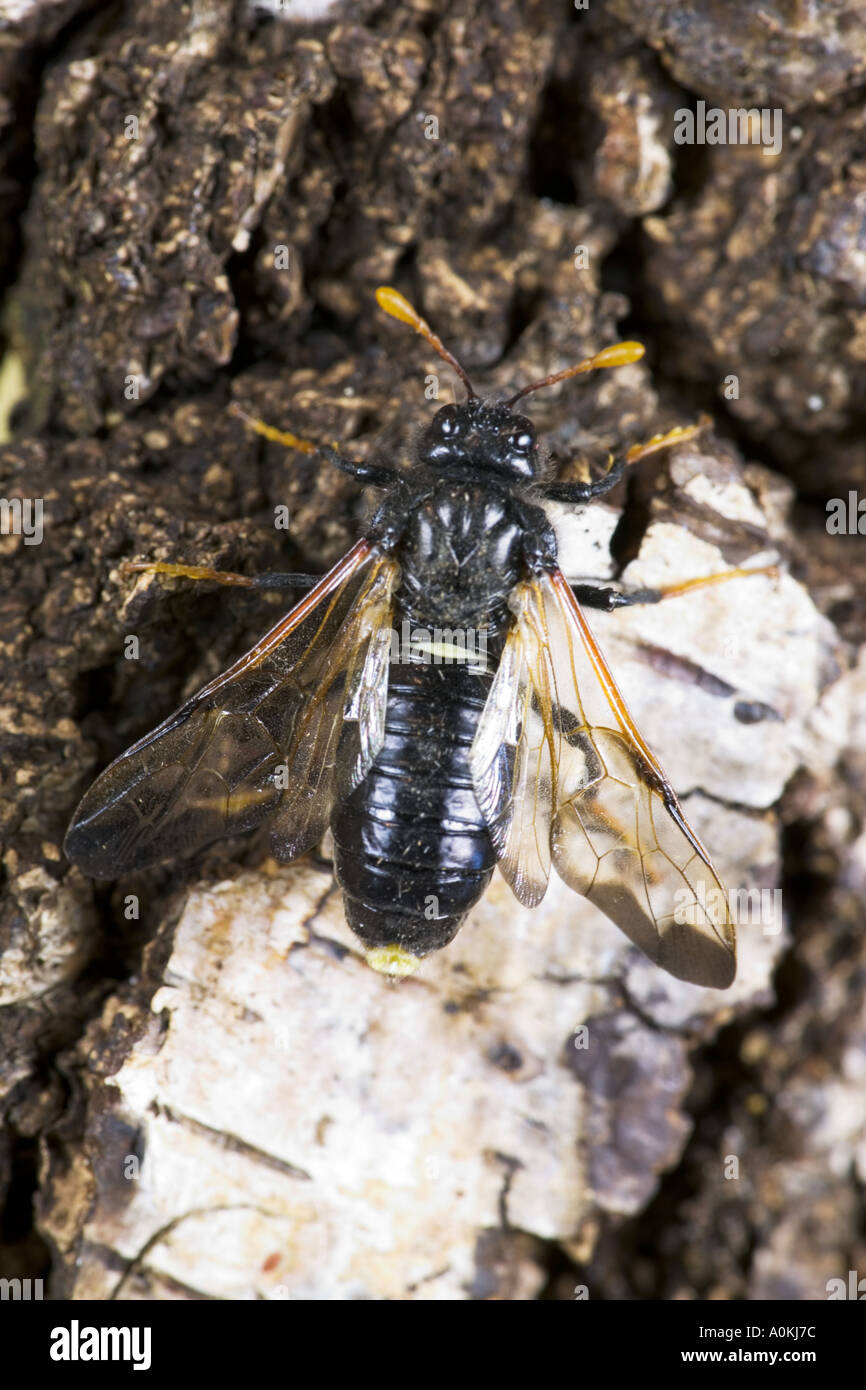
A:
x: 617, y: 833
x: 291, y: 725
x: 512, y: 770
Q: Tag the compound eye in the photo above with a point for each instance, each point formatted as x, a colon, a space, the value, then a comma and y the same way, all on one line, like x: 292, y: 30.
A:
x: 522, y: 438
x: 446, y: 421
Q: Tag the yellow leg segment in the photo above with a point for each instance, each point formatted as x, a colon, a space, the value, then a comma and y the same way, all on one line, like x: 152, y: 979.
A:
x: 187, y: 572
x: 686, y: 586
x: 290, y: 441
x: 678, y: 435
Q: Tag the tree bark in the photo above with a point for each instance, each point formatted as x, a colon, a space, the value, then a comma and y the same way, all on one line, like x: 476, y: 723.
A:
x: 206, y: 1091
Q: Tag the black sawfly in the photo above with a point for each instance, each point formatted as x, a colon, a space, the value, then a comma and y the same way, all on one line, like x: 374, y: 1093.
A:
x: 430, y: 771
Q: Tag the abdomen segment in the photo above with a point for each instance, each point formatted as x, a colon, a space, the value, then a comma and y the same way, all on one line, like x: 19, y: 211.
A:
x: 412, y: 854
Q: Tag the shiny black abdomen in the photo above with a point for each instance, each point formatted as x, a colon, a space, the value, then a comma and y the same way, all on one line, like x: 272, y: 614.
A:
x: 412, y: 852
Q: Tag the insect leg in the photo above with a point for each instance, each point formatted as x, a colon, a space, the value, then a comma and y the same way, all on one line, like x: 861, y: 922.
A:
x: 374, y: 475
x: 584, y: 492
x: 201, y: 572
x: 595, y: 596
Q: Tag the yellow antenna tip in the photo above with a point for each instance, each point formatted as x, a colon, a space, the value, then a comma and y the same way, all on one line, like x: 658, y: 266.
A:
x: 619, y: 355
x: 394, y: 304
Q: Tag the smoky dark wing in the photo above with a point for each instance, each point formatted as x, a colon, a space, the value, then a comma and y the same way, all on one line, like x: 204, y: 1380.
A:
x: 617, y: 833
x: 292, y: 724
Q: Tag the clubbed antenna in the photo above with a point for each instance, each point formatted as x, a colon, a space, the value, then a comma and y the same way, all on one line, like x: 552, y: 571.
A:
x: 399, y: 308
x: 616, y: 356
